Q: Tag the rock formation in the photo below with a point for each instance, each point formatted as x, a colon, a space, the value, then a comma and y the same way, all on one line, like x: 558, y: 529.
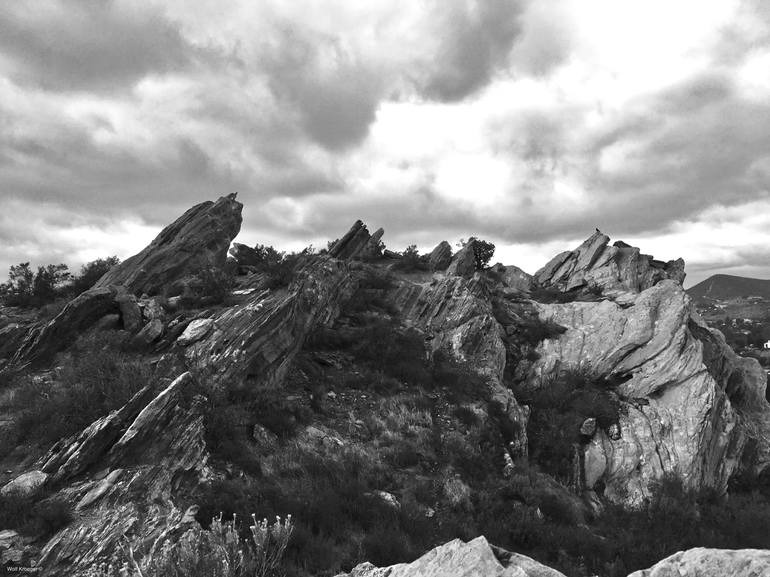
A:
x: 619, y: 267
x: 459, y: 559
x: 196, y: 240
x: 357, y: 243
x: 464, y: 262
x: 440, y: 257
x: 684, y: 390
x: 703, y: 562
x: 689, y: 405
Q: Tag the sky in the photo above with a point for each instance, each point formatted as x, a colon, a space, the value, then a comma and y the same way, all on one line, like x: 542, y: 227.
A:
x: 526, y: 123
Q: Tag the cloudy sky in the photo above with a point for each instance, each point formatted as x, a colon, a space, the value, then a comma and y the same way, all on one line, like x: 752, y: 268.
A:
x: 528, y: 123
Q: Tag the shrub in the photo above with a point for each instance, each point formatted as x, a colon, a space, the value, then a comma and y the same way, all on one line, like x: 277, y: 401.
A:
x: 27, y: 289
x: 93, y: 382
x: 92, y: 272
x: 39, y: 519
x: 559, y: 406
x: 218, y: 552
x: 411, y: 260
x: 483, y: 251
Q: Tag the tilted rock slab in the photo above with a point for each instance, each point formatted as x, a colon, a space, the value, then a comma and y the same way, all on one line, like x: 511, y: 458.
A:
x: 702, y: 562
x: 685, y: 390
x: 475, y: 558
x: 123, y: 482
x: 358, y: 243
x: 196, y: 240
x: 456, y: 315
x: 620, y: 266
x: 255, y: 342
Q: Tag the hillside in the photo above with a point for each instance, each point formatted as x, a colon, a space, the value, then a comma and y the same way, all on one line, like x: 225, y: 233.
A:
x: 393, y: 404
x: 725, y: 287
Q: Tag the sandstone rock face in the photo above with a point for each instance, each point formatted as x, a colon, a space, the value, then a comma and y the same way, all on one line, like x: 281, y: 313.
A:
x: 244, y: 255
x: 701, y: 562
x: 459, y: 559
x: 684, y: 389
x: 254, y: 342
x: 358, y: 243
x: 619, y: 267
x: 440, y: 257
x: 198, y: 239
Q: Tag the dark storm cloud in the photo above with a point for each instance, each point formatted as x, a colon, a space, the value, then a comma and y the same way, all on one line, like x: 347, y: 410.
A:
x: 475, y: 41
x: 88, y: 45
x: 335, y: 95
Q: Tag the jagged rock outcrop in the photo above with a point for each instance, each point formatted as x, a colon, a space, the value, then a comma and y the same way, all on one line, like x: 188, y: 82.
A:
x: 456, y: 316
x: 464, y: 262
x: 702, y: 562
x: 440, y: 257
x: 79, y: 314
x: 129, y: 470
x: 254, y: 342
x: 357, y: 243
x: 684, y: 391
x: 244, y: 255
x: 618, y: 267
x: 196, y: 240
x: 459, y: 559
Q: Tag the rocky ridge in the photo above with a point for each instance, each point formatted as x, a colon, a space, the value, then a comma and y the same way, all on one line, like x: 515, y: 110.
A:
x: 690, y: 405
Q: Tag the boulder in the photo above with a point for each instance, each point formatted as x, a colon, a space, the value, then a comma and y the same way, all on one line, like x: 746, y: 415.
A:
x: 617, y: 267
x: 702, y: 562
x: 440, y: 257
x: 459, y: 559
x: 513, y: 277
x: 150, y: 333
x: 25, y: 485
x: 130, y: 312
x: 196, y: 240
x: 195, y: 331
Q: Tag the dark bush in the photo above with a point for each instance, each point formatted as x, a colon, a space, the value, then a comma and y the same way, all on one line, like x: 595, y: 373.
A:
x: 93, y: 382
x: 92, y: 272
x: 410, y: 260
x: 559, y: 406
x: 38, y: 517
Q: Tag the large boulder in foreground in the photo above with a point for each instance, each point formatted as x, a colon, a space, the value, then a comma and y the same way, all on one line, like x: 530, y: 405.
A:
x: 475, y: 558
x: 196, y: 240
x: 616, y: 267
x: 702, y: 562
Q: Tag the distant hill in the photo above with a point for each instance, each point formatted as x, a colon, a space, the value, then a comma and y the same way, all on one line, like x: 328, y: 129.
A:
x: 725, y: 286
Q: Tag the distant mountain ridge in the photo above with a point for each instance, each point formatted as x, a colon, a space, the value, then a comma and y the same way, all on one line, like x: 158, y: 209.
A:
x: 726, y: 286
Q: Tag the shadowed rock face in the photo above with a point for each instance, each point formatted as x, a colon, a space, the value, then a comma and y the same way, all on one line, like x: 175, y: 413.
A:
x: 198, y: 239
x: 711, y: 563
x: 358, y: 243
x: 619, y: 267
x: 459, y: 559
